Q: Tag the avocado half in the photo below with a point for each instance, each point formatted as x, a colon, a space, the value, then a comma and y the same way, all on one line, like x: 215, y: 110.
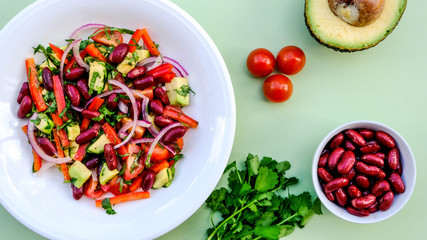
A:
x: 330, y: 31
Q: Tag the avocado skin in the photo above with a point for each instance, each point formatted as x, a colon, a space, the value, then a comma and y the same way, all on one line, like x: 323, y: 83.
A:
x: 343, y: 49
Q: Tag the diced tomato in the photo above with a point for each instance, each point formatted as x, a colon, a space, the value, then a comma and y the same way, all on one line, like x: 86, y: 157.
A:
x: 118, y: 186
x: 159, y: 153
x: 134, y: 162
x: 91, y: 189
x: 107, y: 37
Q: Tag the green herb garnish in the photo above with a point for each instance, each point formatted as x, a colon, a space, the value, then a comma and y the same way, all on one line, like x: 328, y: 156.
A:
x: 107, y: 206
x: 252, y: 207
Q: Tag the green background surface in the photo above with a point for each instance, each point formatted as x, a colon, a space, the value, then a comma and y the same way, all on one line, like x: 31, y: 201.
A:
x: 386, y: 83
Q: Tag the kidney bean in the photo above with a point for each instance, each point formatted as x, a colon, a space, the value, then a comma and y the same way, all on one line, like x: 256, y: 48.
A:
x: 324, y: 174
x: 156, y: 107
x: 346, y: 163
x: 385, y: 139
x: 396, y: 182
x: 363, y: 201
x: 160, y: 94
x: 380, y: 187
x: 74, y: 73
x: 323, y: 159
x: 330, y: 196
x: 334, y: 157
x: 386, y: 201
x: 373, y: 208
x: 350, y: 175
x: 371, y: 147
x: 138, y: 108
x: 173, y: 134
x: 46, y: 145
x: 148, y: 178
x: 336, y: 183
x: 112, y: 102
x: 372, y: 159
x: 136, y: 72
x: 24, y: 91
x: 77, y: 192
x: 25, y: 107
x: 88, y: 135
x: 341, y: 197
x: 353, y: 191
x: 399, y: 168
x: 83, y: 88
x: 380, y: 154
x: 367, y: 134
x: 89, y: 114
x: 91, y: 163
x: 144, y: 82
x: 381, y: 174
x: 393, y: 158
x: 47, y: 79
x: 73, y: 93
x: 119, y: 53
x: 367, y: 169
x: 110, y: 156
x: 349, y: 145
x: 355, y: 137
x: 162, y: 121
x: 362, y: 181
x: 336, y: 141
x: 358, y: 212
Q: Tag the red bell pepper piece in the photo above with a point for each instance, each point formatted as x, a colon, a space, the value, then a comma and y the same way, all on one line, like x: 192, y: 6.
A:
x: 93, y: 106
x: 81, y: 152
x: 58, y: 90
x: 70, y: 64
x: 64, y: 167
x: 136, y: 183
x: 161, y: 70
x: 125, y: 198
x: 58, y: 52
x: 61, y: 132
x: 180, y: 117
x: 95, y: 53
x: 160, y: 166
x: 133, y: 42
x: 91, y: 189
x: 33, y: 83
x: 149, y: 43
x: 114, y: 138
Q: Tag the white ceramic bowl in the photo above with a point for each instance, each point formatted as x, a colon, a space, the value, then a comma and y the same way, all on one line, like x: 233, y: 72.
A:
x: 44, y: 204
x: 408, y: 174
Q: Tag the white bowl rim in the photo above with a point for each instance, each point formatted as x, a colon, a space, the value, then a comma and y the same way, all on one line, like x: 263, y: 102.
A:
x: 377, y: 216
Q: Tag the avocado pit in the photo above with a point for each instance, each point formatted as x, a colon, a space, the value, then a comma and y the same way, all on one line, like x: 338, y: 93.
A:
x: 357, y: 13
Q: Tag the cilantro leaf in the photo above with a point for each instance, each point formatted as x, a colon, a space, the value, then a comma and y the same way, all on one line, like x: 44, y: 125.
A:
x: 107, y: 206
x: 266, y: 180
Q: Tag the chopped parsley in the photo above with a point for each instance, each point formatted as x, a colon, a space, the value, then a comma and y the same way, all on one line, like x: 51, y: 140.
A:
x: 184, y: 90
x: 107, y: 206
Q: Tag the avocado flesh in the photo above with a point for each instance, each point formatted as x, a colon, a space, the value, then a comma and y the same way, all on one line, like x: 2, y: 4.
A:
x: 333, y: 32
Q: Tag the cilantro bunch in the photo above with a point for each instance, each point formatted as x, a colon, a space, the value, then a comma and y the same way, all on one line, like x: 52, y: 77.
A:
x: 253, y: 206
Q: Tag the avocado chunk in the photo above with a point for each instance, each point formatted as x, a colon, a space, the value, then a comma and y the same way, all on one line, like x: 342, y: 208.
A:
x: 340, y: 26
x: 44, y: 123
x: 97, y: 75
x: 97, y: 147
x: 163, y: 178
x: 79, y: 174
x: 73, y: 130
x: 178, y: 91
x: 71, y: 150
x: 106, y: 174
x: 131, y: 60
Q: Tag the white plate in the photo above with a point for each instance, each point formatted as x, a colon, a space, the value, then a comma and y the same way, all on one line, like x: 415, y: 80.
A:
x: 45, y: 204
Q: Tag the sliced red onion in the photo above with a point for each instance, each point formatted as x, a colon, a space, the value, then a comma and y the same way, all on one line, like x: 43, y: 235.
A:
x: 64, y: 56
x: 135, y: 109
x: 44, y: 168
x: 76, y: 32
x: 77, y: 109
x: 103, y: 95
x: 122, y: 107
x: 138, y: 94
x: 146, y: 61
x: 150, y: 62
x: 128, y: 125
x: 144, y: 107
x: 94, y: 175
x: 76, y: 53
x: 37, y: 148
x: 157, y: 139
x: 176, y: 65
x: 143, y: 140
x: 122, y: 135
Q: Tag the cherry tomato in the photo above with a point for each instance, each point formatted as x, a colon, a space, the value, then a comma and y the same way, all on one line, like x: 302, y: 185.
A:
x: 277, y: 88
x: 290, y: 60
x: 107, y: 37
x: 260, y: 62
x: 118, y: 186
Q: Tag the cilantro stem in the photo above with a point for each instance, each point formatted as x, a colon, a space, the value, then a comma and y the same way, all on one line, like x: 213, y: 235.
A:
x: 287, y: 219
x: 230, y: 217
